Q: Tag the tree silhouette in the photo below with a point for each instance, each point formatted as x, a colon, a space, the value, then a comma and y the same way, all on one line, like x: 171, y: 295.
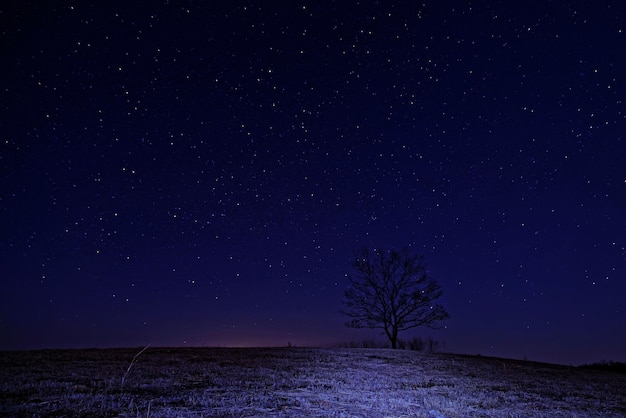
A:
x: 392, y: 291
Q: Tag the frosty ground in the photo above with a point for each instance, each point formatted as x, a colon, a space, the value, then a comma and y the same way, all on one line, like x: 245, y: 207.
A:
x: 285, y: 382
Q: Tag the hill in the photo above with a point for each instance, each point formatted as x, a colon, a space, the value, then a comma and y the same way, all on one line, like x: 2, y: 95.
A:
x: 225, y: 382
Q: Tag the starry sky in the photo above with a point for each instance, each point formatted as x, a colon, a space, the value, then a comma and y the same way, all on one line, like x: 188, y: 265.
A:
x: 200, y: 172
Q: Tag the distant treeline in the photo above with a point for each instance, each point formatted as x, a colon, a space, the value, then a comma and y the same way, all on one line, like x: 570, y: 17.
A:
x: 612, y: 366
x: 415, y: 344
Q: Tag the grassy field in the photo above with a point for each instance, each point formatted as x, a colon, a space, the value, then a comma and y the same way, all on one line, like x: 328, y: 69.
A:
x: 285, y: 382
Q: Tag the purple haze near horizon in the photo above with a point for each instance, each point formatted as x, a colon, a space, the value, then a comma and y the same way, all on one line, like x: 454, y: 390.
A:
x: 199, y: 173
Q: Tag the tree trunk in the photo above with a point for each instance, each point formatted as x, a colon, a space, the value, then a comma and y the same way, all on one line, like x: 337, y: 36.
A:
x: 394, y: 338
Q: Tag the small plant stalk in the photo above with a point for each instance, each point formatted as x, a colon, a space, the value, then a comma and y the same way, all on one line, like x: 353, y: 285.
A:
x: 131, y: 365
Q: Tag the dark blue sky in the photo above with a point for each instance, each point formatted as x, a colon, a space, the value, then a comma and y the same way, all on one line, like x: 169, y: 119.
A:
x: 199, y: 173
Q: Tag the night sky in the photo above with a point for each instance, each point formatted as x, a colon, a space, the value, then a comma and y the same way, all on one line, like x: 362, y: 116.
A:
x: 200, y: 172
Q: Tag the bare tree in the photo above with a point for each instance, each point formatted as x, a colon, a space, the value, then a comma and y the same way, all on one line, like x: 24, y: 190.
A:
x: 392, y: 291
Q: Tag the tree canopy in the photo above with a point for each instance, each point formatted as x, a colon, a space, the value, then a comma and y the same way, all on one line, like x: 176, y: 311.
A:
x: 392, y: 291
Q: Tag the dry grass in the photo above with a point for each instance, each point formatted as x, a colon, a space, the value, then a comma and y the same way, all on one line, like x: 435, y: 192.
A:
x: 284, y: 382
